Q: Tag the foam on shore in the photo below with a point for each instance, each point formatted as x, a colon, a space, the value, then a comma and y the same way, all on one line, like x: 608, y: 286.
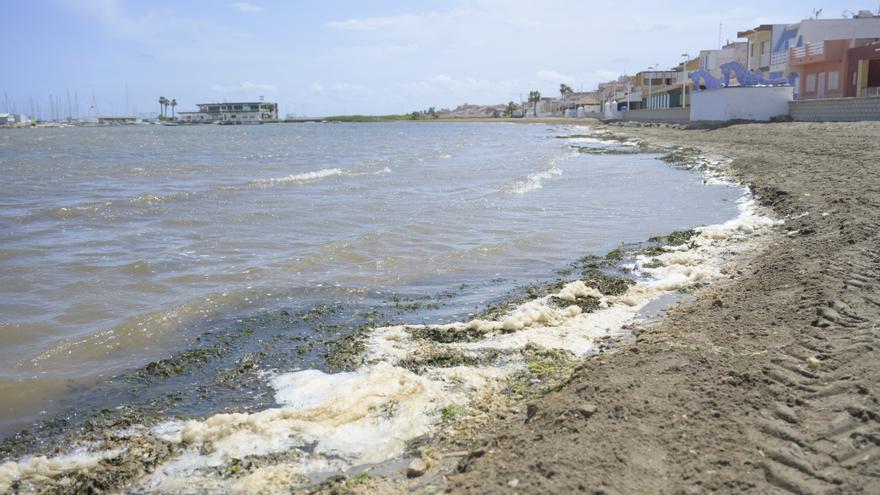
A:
x: 330, y: 422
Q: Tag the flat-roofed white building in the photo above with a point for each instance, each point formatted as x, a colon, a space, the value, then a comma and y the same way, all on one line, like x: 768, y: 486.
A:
x: 233, y: 113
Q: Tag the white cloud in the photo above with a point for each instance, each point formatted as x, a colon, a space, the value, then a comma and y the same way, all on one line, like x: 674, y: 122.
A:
x: 245, y: 87
x: 402, y: 21
x: 554, y: 77
x: 345, y: 87
x: 316, y: 88
x: 523, y: 23
x: 607, y: 75
x: 247, y: 7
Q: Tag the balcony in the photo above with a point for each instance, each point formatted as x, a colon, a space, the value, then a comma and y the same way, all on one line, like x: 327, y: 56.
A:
x: 822, y: 51
x: 779, y: 58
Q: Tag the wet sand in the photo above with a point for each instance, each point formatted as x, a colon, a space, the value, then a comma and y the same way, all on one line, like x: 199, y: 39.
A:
x: 767, y: 382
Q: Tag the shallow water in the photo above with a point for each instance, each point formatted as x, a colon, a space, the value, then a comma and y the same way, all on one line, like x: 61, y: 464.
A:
x: 120, y: 245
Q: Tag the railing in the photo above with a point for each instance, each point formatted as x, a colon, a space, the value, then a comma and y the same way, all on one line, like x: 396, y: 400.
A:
x: 875, y: 91
x: 808, y: 50
x: 779, y: 58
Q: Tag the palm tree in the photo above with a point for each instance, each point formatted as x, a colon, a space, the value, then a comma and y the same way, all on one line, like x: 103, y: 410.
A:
x: 534, y: 98
x: 511, y: 109
x: 173, y: 104
x: 162, y: 106
x: 565, y: 90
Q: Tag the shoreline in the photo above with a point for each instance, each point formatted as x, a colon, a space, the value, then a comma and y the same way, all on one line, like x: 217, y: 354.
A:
x: 732, y: 391
x: 766, y: 382
x: 550, y: 368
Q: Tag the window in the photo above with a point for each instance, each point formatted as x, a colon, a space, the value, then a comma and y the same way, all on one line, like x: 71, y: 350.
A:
x: 765, y: 47
x: 811, y: 83
x: 833, y: 80
x: 855, y: 78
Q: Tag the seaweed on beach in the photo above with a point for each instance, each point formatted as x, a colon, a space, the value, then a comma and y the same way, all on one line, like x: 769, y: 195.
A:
x: 445, y: 358
x: 594, y: 150
x: 676, y: 238
x: 587, y: 304
x: 446, y: 335
x: 681, y: 156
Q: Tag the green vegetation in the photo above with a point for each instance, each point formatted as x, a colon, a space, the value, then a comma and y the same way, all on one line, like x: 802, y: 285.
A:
x: 451, y: 412
x: 511, y: 109
x: 677, y: 238
x: 615, y: 254
x: 534, y: 98
x: 565, y: 90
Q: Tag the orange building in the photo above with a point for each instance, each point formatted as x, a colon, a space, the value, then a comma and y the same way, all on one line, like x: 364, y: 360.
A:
x: 837, y: 68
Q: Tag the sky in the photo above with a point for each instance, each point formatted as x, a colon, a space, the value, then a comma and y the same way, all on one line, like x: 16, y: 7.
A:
x: 330, y: 57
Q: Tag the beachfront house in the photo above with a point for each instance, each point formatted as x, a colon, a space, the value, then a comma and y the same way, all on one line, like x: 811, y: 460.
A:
x: 621, y: 94
x: 712, y: 60
x: 580, y: 103
x: 759, y: 46
x: 660, y: 89
x: 838, y: 68
x: 770, y: 46
x: 232, y: 113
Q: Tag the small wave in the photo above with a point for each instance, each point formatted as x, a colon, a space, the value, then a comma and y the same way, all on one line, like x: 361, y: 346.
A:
x: 300, y: 178
x: 532, y: 182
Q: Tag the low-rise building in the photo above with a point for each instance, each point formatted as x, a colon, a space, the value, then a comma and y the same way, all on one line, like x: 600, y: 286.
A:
x: 863, y: 77
x: 838, y: 68
x: 233, y: 113
x: 655, y: 86
x: 711, y: 60
x: 770, y: 45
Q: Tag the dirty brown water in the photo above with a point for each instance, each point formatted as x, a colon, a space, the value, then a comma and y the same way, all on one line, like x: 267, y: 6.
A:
x: 159, y: 271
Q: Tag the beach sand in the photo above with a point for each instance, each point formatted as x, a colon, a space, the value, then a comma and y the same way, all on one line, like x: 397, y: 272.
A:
x: 767, y: 382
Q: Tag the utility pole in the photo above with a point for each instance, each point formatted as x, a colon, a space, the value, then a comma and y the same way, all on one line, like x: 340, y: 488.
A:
x: 684, y: 78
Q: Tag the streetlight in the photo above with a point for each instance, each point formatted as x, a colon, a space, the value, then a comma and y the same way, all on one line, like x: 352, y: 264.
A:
x: 684, y: 77
x: 650, y: 83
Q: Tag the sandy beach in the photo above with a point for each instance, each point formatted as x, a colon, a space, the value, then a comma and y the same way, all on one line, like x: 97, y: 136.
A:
x: 767, y: 382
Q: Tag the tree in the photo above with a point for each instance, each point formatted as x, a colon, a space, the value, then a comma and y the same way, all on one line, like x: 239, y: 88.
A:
x: 565, y: 90
x: 534, y: 98
x: 162, y: 102
x: 173, y: 104
x: 510, y: 109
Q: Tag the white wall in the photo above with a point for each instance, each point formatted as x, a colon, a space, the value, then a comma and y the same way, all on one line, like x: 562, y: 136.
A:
x: 815, y: 30
x: 746, y: 103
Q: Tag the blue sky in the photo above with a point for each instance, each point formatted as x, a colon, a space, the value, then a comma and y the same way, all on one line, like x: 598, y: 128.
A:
x: 333, y: 57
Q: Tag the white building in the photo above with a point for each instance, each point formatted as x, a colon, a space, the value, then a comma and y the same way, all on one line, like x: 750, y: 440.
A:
x: 233, y: 113
x: 711, y: 60
x: 14, y: 119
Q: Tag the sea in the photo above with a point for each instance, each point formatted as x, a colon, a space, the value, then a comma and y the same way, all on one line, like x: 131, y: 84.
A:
x: 121, y: 247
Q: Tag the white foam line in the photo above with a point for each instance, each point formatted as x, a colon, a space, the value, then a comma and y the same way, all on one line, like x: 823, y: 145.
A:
x: 300, y: 178
x: 368, y: 415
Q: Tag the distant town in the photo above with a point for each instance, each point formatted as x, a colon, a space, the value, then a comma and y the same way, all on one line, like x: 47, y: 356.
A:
x: 794, y: 71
